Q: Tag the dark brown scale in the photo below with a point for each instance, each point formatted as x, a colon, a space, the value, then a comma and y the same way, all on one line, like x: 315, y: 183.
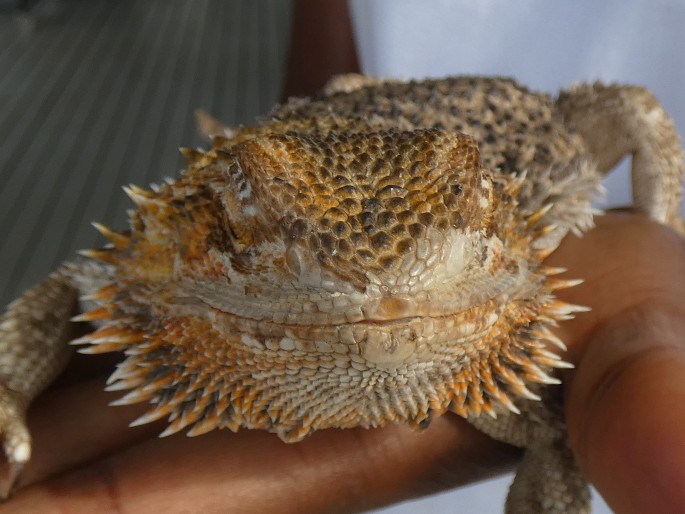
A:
x: 398, y: 230
x: 391, y: 191
x: 426, y: 218
x: 319, y: 189
x: 344, y: 248
x: 325, y: 224
x: 417, y: 230
x: 440, y: 210
x: 335, y: 214
x: 386, y: 219
x: 365, y: 255
x: 324, y: 259
x: 451, y: 201
x: 406, y: 216
x: 389, y: 262
x: 303, y: 198
x: 354, y: 223
x: 381, y: 240
x: 341, y: 230
x: 367, y: 219
x: 397, y: 204
x: 443, y: 224
x: 404, y: 246
x: 340, y: 181
x: 328, y: 243
x: 457, y: 219
x: 313, y: 242
x: 351, y: 205
x: 363, y: 158
x: 297, y: 229
x: 358, y: 239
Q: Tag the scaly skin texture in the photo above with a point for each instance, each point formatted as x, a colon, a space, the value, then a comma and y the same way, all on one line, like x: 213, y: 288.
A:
x: 372, y: 255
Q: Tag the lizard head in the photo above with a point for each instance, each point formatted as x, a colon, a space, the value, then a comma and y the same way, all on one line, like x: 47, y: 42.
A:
x: 392, y: 251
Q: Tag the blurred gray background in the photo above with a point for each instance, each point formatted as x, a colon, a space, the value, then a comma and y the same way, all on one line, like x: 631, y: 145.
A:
x: 96, y: 94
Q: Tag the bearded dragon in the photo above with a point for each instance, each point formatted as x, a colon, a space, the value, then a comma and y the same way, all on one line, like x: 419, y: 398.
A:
x: 371, y: 255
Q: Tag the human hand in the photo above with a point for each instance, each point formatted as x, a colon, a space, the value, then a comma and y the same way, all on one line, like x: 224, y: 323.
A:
x: 624, y: 402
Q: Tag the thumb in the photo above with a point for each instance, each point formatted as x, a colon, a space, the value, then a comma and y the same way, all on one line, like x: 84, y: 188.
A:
x: 625, y: 402
x: 626, y: 411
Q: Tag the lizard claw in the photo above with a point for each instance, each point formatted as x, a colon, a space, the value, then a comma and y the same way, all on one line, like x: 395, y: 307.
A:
x: 16, y: 439
x: 8, y: 481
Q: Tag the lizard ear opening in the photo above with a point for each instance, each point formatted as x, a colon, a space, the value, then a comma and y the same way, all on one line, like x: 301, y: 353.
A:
x: 245, y: 203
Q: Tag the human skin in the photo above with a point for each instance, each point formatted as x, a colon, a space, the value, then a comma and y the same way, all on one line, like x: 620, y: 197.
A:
x: 625, y: 406
x: 321, y: 46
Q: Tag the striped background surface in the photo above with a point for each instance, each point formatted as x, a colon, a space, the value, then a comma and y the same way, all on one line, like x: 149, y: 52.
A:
x: 96, y: 94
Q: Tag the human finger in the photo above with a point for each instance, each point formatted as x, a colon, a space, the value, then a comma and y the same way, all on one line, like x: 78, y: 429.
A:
x: 253, y: 471
x: 625, y: 402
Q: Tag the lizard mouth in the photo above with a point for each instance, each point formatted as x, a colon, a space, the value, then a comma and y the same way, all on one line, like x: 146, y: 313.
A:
x: 387, y: 341
x: 317, y: 309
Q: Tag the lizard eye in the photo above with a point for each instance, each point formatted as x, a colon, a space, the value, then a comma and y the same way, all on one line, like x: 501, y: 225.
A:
x: 293, y: 260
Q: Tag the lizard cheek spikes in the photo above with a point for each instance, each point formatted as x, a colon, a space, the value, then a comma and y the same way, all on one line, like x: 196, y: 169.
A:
x: 135, y: 396
x: 149, y: 204
x: 550, y: 271
x: 104, y: 255
x: 194, y: 157
x: 108, y: 339
x: 139, y: 196
x: 97, y: 314
x: 538, y: 215
x: 207, y: 424
x: 552, y: 360
x: 101, y: 295
x: 555, y: 284
x: 161, y: 412
x: 562, y: 311
x: 118, y: 239
x: 544, y: 334
x: 543, y: 253
x: 492, y: 382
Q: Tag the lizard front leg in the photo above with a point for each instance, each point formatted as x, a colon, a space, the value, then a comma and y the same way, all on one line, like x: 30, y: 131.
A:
x: 619, y: 120
x: 33, y: 351
x: 548, y: 479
